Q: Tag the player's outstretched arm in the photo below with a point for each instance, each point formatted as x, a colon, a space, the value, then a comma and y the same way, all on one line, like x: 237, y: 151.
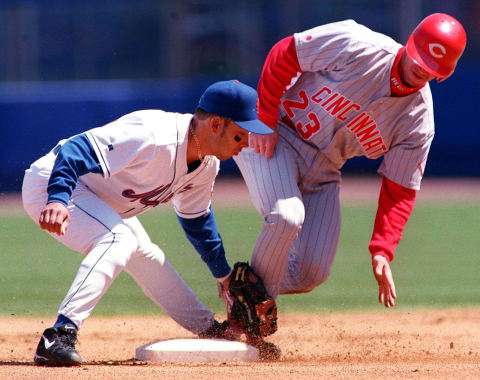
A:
x: 384, y: 277
x: 55, y: 218
x: 395, y: 205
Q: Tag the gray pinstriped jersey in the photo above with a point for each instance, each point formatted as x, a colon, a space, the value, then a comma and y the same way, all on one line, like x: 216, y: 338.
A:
x: 343, y: 105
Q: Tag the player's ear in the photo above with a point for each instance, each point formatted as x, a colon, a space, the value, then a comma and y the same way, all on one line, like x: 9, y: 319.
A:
x: 216, y: 124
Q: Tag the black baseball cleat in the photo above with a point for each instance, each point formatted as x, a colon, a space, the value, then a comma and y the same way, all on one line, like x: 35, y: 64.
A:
x: 215, y: 331
x: 57, y: 347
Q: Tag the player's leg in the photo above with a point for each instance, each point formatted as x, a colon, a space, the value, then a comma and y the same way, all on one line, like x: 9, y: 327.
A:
x: 110, y: 244
x: 314, y: 251
x: 272, y: 184
x: 98, y: 232
x: 161, y: 282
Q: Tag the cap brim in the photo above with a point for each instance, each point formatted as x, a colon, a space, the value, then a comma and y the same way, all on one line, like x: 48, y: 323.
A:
x: 255, y: 126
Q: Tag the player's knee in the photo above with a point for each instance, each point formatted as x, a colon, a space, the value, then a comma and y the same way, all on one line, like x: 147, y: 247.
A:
x: 314, y: 279
x: 124, y: 240
x: 306, y: 284
x: 151, y: 252
x: 288, y: 216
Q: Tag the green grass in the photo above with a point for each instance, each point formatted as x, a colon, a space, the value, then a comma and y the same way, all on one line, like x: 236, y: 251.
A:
x: 436, y: 264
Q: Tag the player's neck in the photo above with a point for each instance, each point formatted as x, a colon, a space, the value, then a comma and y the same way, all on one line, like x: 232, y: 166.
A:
x: 398, y: 85
x: 194, y: 148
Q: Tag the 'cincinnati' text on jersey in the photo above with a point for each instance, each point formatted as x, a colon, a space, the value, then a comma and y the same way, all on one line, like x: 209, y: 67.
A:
x: 361, y: 125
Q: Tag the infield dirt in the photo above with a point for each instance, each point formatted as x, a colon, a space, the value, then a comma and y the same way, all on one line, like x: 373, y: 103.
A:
x: 390, y: 344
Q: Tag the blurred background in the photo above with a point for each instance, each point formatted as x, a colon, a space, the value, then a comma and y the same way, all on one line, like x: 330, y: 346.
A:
x: 68, y: 66
x: 71, y: 65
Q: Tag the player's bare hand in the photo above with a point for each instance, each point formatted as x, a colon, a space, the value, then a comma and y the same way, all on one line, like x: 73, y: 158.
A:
x: 225, y: 281
x: 384, y: 277
x: 264, y: 144
x: 55, y: 218
x: 223, y: 292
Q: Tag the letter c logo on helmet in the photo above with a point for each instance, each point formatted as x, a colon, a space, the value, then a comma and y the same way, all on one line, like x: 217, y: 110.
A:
x: 436, y: 44
x: 439, y: 47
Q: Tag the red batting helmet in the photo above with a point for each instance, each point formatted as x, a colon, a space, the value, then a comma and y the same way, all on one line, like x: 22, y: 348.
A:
x: 436, y: 44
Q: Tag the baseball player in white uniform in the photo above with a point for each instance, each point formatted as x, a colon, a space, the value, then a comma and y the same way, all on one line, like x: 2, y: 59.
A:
x: 331, y: 93
x: 87, y: 191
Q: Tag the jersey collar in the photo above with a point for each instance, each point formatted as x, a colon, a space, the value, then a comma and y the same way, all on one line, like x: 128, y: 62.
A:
x: 397, y: 87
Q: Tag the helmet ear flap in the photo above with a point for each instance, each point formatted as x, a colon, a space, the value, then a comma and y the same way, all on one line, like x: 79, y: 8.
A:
x: 440, y: 80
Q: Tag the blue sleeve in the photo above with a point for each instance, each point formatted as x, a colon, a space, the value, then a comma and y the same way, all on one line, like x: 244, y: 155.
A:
x: 203, y: 234
x: 75, y: 158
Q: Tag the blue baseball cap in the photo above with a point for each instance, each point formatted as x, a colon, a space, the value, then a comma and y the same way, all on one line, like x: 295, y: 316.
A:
x: 237, y: 101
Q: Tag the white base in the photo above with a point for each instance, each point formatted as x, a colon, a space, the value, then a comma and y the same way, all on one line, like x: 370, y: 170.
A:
x: 197, y: 350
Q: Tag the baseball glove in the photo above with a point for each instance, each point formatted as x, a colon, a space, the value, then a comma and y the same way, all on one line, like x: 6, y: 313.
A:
x: 252, y: 309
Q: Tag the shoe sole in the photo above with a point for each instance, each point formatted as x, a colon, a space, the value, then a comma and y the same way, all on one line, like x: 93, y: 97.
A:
x: 42, y: 361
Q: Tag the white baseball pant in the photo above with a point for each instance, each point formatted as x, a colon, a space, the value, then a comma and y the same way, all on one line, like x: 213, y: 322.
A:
x: 110, y: 245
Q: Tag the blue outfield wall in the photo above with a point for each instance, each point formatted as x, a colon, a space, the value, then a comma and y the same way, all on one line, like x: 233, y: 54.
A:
x: 34, y: 116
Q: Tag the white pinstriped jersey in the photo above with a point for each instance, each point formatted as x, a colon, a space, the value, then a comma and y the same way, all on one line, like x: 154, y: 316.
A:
x: 143, y: 158
x: 342, y: 102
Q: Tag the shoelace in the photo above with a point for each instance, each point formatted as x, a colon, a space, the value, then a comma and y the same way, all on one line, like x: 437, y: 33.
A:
x: 68, y: 338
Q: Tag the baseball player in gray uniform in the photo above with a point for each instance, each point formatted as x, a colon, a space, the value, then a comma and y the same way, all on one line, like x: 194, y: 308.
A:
x: 331, y: 93
x: 87, y: 191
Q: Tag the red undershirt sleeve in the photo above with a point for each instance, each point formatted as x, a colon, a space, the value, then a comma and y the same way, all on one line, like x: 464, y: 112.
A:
x: 395, y: 204
x: 280, y: 67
